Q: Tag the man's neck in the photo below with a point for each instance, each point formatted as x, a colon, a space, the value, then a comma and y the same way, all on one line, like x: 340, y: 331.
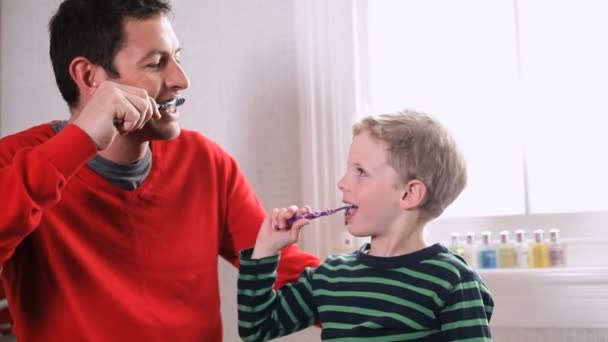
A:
x: 125, y: 150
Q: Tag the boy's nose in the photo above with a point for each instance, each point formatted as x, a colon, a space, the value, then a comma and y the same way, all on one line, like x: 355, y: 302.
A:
x: 341, y: 184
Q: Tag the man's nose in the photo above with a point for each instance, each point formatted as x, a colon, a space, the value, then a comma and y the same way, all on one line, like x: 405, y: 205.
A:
x: 176, y: 77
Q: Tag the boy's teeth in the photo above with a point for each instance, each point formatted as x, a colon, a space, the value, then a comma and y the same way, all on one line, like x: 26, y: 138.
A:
x: 347, y: 211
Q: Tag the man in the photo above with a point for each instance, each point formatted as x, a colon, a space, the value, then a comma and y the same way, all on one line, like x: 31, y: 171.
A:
x: 113, y: 221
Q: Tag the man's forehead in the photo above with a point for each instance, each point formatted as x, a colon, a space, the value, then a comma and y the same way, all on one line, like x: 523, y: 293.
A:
x: 149, y: 30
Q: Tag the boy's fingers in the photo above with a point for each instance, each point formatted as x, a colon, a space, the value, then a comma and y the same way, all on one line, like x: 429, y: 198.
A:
x: 300, y: 223
x: 275, y: 218
x: 295, y: 231
x: 292, y: 210
x: 281, y: 220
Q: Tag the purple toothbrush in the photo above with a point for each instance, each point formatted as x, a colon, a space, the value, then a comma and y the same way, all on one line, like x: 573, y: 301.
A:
x: 316, y: 214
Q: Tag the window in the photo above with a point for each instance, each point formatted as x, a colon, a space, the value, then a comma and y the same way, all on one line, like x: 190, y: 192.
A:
x: 521, y: 91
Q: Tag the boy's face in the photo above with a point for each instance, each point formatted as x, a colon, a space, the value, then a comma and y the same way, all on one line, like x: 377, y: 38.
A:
x: 149, y: 59
x: 372, y: 185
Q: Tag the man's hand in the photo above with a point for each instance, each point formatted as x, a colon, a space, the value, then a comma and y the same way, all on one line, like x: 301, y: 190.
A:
x: 131, y: 107
x: 275, y: 234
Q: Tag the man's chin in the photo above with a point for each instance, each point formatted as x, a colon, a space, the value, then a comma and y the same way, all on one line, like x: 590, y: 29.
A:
x: 159, y: 130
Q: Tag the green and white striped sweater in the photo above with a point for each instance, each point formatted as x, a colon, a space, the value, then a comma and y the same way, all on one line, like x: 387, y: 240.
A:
x: 428, y: 295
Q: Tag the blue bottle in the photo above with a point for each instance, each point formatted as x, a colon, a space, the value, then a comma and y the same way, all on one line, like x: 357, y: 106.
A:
x: 487, y: 251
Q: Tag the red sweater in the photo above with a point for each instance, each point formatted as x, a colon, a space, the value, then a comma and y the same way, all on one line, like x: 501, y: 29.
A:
x: 87, y: 261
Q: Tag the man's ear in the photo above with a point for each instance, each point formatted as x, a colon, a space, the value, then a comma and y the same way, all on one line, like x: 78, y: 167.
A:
x: 86, y: 74
x: 414, y: 194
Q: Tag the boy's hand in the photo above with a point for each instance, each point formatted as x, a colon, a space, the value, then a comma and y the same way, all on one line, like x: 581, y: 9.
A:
x: 275, y: 234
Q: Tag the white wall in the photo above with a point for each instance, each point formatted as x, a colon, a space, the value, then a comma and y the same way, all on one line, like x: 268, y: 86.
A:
x: 240, y: 58
x: 29, y: 95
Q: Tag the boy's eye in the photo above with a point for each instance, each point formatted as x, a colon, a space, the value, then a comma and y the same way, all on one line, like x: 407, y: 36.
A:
x: 361, y: 172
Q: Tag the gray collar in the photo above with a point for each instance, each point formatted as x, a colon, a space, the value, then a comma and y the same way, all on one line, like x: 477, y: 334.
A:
x: 127, y: 177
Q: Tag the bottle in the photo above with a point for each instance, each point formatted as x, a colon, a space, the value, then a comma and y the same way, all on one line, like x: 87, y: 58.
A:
x: 556, y: 250
x: 506, y: 251
x: 455, y: 245
x: 522, y: 249
x: 539, y: 250
x: 487, y: 252
x: 469, y: 253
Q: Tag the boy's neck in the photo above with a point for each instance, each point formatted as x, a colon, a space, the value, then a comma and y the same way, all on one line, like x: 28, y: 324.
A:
x: 407, y: 237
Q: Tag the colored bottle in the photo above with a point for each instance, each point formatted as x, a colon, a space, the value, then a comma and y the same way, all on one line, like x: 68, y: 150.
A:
x: 487, y: 252
x: 522, y: 249
x: 557, y: 257
x: 455, y: 245
x: 539, y: 250
x: 506, y: 251
x: 470, y: 250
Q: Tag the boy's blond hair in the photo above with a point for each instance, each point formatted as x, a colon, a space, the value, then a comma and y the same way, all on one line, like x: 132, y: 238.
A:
x: 419, y: 147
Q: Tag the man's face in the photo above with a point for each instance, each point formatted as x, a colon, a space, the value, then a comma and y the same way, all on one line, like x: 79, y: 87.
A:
x: 149, y: 59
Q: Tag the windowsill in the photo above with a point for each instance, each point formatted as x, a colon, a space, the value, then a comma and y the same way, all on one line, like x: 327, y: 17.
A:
x: 547, y: 276
x: 575, y: 297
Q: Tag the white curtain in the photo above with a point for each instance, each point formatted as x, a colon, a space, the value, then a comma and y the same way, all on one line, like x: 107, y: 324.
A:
x: 331, y: 68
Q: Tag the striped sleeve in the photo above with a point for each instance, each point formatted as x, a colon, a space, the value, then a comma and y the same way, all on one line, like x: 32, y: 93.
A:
x: 264, y: 313
x: 5, y: 317
x: 466, y: 313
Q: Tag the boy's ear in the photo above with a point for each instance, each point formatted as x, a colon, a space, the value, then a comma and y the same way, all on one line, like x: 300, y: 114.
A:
x: 86, y: 74
x: 414, y: 194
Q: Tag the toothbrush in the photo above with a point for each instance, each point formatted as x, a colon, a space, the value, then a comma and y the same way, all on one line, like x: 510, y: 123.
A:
x: 178, y: 101
x: 316, y: 214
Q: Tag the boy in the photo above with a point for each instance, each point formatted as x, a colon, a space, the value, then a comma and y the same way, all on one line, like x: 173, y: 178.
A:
x: 403, y: 170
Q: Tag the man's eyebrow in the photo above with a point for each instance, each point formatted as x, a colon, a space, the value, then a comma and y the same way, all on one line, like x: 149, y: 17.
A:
x: 158, y: 52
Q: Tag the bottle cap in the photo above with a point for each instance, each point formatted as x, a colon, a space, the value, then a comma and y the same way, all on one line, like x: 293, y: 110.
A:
x: 486, y: 237
x: 470, y: 237
x: 554, y: 235
x: 538, y: 235
x: 504, y: 236
x: 520, y: 235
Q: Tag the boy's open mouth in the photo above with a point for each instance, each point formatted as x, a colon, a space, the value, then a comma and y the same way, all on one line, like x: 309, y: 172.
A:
x: 348, y: 214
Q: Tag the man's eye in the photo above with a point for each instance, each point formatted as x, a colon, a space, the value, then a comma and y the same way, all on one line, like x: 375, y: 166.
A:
x: 154, y: 65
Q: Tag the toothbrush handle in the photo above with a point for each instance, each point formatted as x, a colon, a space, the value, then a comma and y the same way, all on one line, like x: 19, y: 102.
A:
x: 315, y: 214
x: 308, y: 216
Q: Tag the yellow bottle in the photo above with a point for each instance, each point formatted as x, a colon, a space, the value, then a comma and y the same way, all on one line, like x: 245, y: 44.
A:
x: 539, y: 251
x: 455, y: 245
x: 506, y: 252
